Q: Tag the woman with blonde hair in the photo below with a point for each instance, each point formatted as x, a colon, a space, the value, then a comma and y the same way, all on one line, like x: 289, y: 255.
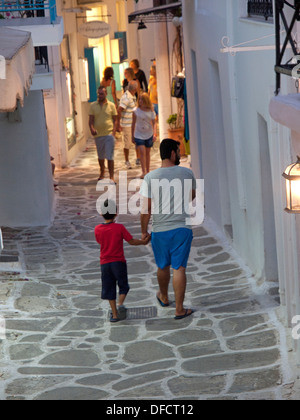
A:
x: 129, y: 77
x: 144, y: 130
x: 110, y: 84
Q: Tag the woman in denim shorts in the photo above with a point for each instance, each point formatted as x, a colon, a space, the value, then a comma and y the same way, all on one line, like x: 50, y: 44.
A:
x: 144, y: 130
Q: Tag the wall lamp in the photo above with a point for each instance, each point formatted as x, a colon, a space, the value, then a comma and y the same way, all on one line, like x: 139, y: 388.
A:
x: 292, y: 177
x: 141, y: 26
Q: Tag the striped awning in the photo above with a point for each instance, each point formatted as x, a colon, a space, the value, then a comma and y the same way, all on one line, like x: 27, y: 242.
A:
x: 17, y: 66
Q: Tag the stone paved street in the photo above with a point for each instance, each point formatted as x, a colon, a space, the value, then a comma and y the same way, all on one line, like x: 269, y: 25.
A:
x: 60, y: 344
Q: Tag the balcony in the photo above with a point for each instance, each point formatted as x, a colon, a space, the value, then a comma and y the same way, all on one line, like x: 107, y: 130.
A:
x: 35, y: 16
x: 43, y: 76
x: 262, y: 8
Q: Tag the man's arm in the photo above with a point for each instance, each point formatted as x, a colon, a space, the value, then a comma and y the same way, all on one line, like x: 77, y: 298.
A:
x: 91, y: 125
x: 145, y: 216
x: 116, y: 123
x: 120, y: 110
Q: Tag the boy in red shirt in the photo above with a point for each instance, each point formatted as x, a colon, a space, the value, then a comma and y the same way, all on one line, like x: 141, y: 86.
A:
x: 110, y: 236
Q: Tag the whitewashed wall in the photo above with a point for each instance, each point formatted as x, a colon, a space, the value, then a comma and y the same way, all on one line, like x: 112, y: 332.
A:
x: 239, y: 150
x: 26, y: 186
x: 231, y: 140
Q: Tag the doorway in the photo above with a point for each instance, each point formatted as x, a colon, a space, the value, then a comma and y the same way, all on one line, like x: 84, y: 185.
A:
x: 220, y: 149
x: 269, y: 232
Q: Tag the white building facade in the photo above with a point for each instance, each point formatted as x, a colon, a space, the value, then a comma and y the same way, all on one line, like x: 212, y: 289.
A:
x: 236, y: 146
x: 26, y: 185
x: 54, y: 119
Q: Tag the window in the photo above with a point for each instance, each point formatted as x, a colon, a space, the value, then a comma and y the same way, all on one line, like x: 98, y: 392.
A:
x: 262, y: 8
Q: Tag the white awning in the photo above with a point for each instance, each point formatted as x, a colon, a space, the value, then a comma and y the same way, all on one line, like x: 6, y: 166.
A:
x: 17, y: 54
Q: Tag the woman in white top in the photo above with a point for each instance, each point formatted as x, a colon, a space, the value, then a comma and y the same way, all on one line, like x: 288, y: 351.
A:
x: 144, y: 130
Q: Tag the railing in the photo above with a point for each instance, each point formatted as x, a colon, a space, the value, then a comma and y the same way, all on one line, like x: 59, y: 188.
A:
x: 41, y: 57
x: 260, y: 8
x: 27, y: 9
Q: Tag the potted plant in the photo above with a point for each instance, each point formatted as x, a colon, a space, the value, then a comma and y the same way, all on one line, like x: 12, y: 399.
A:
x: 176, y: 130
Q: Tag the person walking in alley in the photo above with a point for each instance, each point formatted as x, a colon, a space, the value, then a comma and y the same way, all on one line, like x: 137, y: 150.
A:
x: 139, y: 74
x: 152, y: 89
x: 144, y: 130
x: 125, y: 112
x: 171, y: 236
x: 110, y: 84
x: 103, y: 122
x: 110, y: 236
x: 130, y: 77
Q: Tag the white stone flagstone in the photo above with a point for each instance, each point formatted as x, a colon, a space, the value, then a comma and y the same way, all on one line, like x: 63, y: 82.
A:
x: 60, y: 344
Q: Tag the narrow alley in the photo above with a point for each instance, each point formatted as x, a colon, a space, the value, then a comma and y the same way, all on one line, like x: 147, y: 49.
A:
x: 60, y: 345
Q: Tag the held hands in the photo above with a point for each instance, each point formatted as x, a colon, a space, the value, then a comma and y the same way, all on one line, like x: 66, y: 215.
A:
x: 146, y: 237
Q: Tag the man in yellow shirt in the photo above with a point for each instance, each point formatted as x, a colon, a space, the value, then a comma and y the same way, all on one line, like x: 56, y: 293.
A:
x: 103, y: 122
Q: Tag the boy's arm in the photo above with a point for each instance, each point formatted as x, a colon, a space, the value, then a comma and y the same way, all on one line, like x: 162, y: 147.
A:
x: 136, y: 242
x: 131, y: 241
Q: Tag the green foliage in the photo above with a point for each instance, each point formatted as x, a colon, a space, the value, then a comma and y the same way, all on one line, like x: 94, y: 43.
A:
x: 172, y: 120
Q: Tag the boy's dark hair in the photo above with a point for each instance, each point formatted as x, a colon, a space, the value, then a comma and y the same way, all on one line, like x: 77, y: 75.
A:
x: 166, y: 148
x: 109, y: 209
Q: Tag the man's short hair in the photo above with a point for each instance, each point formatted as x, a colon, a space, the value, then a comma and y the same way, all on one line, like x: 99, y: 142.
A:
x: 132, y: 86
x: 167, y: 146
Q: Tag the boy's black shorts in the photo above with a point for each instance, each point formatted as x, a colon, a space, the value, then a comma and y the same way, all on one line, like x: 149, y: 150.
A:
x: 114, y: 274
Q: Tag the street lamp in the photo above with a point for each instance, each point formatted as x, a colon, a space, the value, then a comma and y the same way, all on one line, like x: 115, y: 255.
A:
x: 292, y: 177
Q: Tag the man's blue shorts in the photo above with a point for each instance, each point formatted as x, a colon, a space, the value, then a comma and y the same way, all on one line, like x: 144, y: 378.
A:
x: 172, y: 248
x: 114, y: 274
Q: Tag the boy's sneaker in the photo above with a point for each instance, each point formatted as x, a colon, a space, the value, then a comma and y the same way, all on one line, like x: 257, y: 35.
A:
x: 128, y: 165
x: 122, y: 312
x: 138, y: 162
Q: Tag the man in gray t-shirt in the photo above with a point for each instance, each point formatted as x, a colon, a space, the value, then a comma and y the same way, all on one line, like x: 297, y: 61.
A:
x: 167, y: 194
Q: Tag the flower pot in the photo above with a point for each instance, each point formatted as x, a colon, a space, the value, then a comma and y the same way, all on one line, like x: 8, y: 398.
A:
x: 178, y: 135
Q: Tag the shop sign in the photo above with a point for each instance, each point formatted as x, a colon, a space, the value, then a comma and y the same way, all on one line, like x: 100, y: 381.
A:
x: 95, y: 29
